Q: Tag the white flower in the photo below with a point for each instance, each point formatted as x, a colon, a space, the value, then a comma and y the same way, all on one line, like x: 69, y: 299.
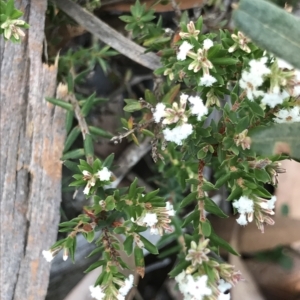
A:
x: 150, y: 219
x: 154, y: 231
x: 178, y: 134
x: 96, y: 292
x: 197, y: 107
x: 242, y: 220
x: 86, y: 173
x: 207, y: 80
x: 194, y: 288
x: 159, y: 112
x: 282, y: 64
x: 120, y: 297
x: 250, y: 82
x: 258, y: 67
x: 271, y: 202
x: 87, y: 189
x: 184, y: 48
x: 296, y: 91
x: 288, y: 116
x: 104, y: 174
x: 183, y: 98
x: 128, y: 284
x: 224, y: 286
x: 170, y: 210
x: 244, y: 205
x: 207, y: 43
x: 272, y: 98
x: 48, y: 255
x: 198, y: 287
x: 66, y: 254
x: 224, y: 296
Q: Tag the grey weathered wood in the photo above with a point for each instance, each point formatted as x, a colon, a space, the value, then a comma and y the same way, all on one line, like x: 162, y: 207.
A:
x: 109, y: 35
x: 32, y: 137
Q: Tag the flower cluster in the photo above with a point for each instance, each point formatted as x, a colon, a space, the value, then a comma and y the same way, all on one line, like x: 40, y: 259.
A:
x: 98, y: 292
x: 284, y: 83
x: 157, y: 218
x: 259, y: 209
x: 102, y: 175
x: 193, y: 287
x: 179, y: 116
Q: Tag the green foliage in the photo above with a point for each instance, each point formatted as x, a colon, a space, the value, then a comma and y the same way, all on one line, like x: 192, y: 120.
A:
x: 10, y: 25
x: 198, y: 72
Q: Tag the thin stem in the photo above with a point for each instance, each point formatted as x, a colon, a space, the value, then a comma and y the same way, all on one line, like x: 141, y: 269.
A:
x: 119, y: 138
x: 201, y: 196
x: 80, y: 118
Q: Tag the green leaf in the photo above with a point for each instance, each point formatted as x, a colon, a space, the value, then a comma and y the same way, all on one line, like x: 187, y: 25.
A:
x: 224, y: 61
x: 179, y: 268
x: 206, y: 228
x: 201, y: 154
x: 170, y: 96
x: 256, y: 108
x: 100, y: 132
x: 150, y: 196
x: 223, y: 180
x: 262, y: 175
x: 127, y: 19
x: 207, y: 186
x: 148, y: 245
x: 262, y: 192
x: 9, y: 8
x: 69, y: 120
x: 110, y: 203
x: 132, y: 188
x: 71, y: 138
x: 211, y: 207
x: 235, y: 194
x: 74, y: 154
x: 71, y: 166
x: 95, y: 265
x: 150, y: 97
x: 242, y: 124
x: 87, y: 106
x: 16, y: 14
x: 148, y: 133
x: 90, y: 236
x: 271, y: 28
x: 139, y: 261
x: 191, y: 217
x: 95, y: 251
x: 108, y: 161
x: 188, y: 199
x: 199, y: 23
x: 60, y: 103
x: 219, y: 242
x: 70, y: 82
x: 132, y: 105
x: 128, y: 244
x: 88, y: 146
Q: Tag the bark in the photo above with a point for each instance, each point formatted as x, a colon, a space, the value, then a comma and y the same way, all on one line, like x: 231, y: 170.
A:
x: 32, y: 137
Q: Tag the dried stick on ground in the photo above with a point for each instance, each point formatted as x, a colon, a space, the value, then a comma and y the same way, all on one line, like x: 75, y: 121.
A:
x: 108, y: 35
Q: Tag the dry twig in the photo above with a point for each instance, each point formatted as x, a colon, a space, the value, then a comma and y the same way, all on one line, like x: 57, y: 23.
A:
x: 109, y: 35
